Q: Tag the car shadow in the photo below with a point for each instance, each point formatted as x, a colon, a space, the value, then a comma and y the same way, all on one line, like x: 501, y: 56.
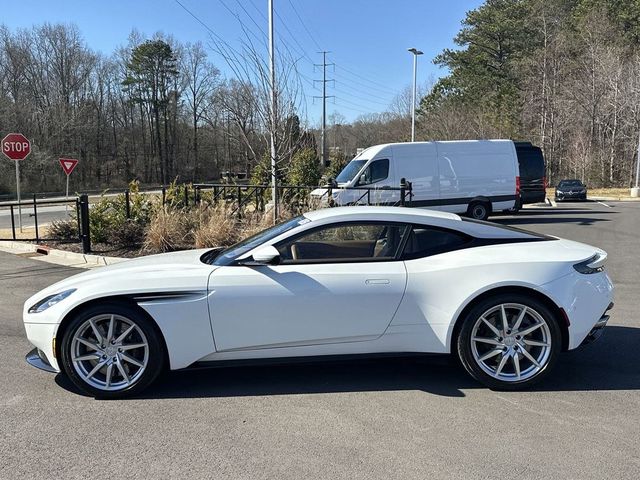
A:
x: 611, y: 363
x: 522, y: 220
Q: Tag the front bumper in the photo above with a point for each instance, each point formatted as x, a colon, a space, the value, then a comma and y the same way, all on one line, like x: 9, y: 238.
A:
x: 37, y: 358
x: 570, y: 196
x: 42, y: 336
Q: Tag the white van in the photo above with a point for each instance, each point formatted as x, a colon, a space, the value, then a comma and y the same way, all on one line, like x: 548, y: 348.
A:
x: 475, y: 177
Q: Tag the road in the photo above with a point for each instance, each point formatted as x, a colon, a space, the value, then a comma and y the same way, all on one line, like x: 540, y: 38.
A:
x: 46, y: 214
x: 404, y: 419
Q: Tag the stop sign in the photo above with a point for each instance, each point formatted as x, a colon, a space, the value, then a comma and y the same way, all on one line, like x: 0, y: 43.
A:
x: 16, y: 146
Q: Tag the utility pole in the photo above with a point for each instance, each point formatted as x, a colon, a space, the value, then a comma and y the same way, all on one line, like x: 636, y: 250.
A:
x: 635, y: 191
x: 272, y: 71
x: 324, y: 161
x: 413, y: 96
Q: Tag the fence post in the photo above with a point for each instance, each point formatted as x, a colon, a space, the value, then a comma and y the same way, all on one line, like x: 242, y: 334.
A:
x: 239, y: 201
x: 403, y: 187
x: 410, y: 192
x: 196, y: 194
x: 13, y: 224
x: 84, y: 223
x: 164, y: 194
x: 126, y: 201
x: 35, y: 217
x: 78, y: 219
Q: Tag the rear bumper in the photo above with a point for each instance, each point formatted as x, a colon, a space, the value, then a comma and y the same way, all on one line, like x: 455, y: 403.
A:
x: 598, y: 329
x: 532, y: 196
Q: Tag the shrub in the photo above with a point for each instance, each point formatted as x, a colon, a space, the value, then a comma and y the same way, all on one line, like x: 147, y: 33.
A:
x: 165, y: 233
x: 64, y: 229
x: 127, y: 234
x: 108, y: 217
x: 218, y: 228
x: 304, y: 169
x: 337, y: 162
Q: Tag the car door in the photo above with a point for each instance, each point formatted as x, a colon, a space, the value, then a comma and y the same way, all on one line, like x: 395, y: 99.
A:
x: 335, y: 283
x: 377, y: 180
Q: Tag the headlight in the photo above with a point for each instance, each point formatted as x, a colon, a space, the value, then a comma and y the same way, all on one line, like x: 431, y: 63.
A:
x: 50, y: 301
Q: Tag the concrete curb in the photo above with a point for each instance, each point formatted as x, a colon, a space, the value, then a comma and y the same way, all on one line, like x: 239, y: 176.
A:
x: 614, y: 199
x: 59, y: 257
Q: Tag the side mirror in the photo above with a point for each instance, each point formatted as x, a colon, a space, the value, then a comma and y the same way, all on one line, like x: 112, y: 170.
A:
x: 363, y: 179
x: 267, y: 256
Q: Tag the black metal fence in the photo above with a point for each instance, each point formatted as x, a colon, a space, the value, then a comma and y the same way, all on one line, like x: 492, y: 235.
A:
x: 298, y: 197
x: 239, y: 199
x: 28, y: 225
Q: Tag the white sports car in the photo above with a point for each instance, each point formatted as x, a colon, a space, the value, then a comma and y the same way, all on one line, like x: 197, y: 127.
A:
x: 338, y: 281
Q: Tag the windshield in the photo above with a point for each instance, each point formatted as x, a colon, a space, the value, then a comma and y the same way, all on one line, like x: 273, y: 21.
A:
x: 571, y: 183
x: 234, y: 251
x: 350, y: 171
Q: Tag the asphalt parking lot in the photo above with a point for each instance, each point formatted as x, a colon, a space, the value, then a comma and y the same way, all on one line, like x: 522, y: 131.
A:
x: 408, y: 418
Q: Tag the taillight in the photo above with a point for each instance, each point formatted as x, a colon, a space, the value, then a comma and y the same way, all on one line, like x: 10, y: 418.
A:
x: 544, y: 182
x: 594, y: 264
x: 517, y: 185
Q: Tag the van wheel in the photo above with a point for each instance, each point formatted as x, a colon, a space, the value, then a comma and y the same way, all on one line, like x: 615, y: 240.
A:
x: 479, y: 210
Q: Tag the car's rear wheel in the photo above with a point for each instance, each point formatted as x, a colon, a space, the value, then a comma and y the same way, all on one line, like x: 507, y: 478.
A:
x: 479, y: 210
x: 111, y: 350
x: 509, y: 341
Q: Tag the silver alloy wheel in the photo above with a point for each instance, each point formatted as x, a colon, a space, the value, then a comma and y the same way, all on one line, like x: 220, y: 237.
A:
x: 511, y: 342
x: 109, y: 352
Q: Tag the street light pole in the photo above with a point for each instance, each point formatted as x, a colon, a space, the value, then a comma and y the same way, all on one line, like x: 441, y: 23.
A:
x: 635, y: 191
x: 273, y: 108
x: 415, y: 53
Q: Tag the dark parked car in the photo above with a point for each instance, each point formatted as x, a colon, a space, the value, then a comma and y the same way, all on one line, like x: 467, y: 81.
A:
x: 532, y: 180
x: 571, y: 190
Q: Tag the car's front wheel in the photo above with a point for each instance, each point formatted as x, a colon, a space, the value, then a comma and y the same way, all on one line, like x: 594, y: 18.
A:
x: 509, y: 341
x: 111, y: 350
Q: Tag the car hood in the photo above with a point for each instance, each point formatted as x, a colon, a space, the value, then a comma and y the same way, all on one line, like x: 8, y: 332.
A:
x: 176, y: 271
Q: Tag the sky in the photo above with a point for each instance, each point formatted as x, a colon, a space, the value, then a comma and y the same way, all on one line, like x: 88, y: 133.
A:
x: 367, y: 40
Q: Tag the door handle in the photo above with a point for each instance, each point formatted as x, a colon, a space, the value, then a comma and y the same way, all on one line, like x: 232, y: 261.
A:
x: 377, y: 281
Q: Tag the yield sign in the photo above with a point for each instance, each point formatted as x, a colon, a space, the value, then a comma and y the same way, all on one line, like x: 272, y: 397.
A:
x: 68, y: 164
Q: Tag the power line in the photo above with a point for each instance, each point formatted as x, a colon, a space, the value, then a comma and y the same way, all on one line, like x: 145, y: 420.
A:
x: 370, y: 100
x: 359, y: 85
x: 304, y: 26
x: 360, y: 77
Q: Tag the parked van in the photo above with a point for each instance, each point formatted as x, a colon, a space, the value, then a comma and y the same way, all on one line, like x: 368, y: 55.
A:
x: 474, y: 177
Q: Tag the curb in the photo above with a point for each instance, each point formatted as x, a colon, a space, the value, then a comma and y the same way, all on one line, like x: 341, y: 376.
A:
x: 60, y: 257
x: 614, y: 199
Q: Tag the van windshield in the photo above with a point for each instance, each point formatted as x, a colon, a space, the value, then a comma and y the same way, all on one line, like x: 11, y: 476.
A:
x: 350, y: 171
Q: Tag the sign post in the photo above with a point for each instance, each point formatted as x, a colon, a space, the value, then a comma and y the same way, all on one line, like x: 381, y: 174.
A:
x: 15, y: 146
x: 67, y: 164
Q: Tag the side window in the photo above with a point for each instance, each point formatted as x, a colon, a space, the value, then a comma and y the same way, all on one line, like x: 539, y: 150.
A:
x: 375, y: 172
x: 424, y: 241
x: 345, y: 242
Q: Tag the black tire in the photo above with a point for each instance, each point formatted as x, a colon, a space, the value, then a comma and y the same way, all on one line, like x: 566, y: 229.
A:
x: 464, y: 349
x: 479, y: 210
x: 155, y: 356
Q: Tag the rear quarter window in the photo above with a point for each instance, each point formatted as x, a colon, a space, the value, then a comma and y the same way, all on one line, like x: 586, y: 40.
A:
x: 424, y: 241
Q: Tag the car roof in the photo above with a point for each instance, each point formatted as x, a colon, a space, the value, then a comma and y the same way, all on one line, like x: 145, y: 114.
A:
x: 383, y: 213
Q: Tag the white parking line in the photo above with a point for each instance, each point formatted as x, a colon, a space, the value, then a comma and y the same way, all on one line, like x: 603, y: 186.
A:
x: 604, y: 204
